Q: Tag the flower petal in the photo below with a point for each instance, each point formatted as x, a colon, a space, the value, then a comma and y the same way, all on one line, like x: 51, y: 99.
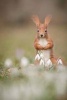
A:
x: 48, y: 63
x: 41, y: 55
x: 60, y: 61
x: 41, y: 62
x: 37, y: 57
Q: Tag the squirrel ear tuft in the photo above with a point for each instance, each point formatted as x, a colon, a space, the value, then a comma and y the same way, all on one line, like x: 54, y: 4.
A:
x: 36, y: 20
x: 47, y: 20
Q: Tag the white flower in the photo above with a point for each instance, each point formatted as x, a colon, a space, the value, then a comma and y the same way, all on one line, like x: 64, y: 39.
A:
x: 41, y: 55
x: 41, y: 62
x: 37, y: 57
x: 48, y: 63
x: 59, y: 61
x: 8, y: 63
x: 24, y: 62
x: 60, y: 66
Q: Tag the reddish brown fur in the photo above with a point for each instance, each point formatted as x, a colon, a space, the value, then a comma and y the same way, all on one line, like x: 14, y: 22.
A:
x: 42, y: 30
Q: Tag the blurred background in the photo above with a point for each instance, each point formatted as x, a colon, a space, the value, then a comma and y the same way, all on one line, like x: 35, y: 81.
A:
x: 18, y: 79
x: 17, y: 30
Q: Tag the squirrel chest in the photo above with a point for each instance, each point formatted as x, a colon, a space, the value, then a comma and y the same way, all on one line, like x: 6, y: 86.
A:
x: 46, y: 53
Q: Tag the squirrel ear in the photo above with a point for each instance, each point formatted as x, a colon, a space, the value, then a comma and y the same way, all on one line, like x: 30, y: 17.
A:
x: 36, y: 20
x: 47, y: 20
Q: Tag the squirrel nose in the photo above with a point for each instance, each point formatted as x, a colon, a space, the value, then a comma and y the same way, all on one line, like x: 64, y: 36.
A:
x: 41, y: 35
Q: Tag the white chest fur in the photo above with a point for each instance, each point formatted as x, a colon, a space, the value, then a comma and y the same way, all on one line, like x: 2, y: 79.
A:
x: 45, y: 53
x: 43, y: 42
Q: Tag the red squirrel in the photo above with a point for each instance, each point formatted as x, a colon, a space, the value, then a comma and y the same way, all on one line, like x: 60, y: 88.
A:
x: 43, y: 43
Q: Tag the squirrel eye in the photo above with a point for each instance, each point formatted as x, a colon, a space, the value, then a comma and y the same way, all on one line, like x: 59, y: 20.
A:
x: 45, y: 30
x: 37, y: 30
